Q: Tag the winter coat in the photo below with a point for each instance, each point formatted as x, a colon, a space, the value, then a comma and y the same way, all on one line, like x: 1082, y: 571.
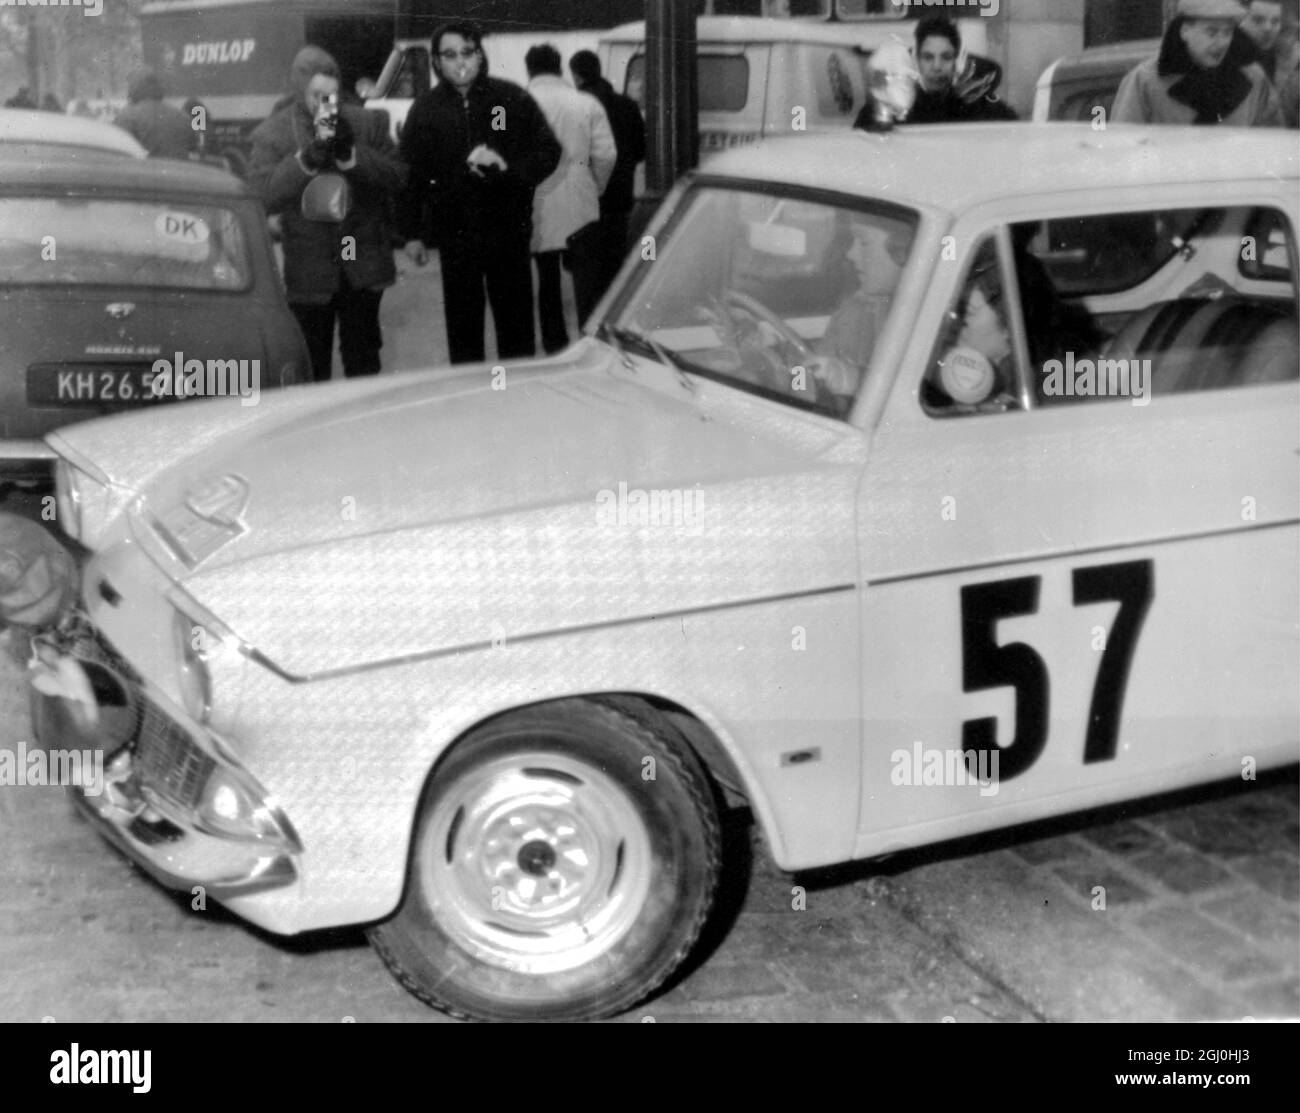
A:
x: 629, y: 138
x: 162, y: 130
x: 1172, y: 89
x: 570, y: 198
x: 445, y: 202
x: 315, y: 258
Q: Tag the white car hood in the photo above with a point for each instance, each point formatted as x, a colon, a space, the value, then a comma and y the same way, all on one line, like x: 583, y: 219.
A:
x: 432, y: 512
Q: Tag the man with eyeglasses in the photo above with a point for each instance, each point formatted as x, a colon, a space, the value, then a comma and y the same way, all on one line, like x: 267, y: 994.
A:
x: 477, y: 147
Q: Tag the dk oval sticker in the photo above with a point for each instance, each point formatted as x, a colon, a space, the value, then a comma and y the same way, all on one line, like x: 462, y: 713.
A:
x: 181, y: 227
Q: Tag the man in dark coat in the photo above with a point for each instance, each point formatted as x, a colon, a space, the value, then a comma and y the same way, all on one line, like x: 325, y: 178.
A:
x: 332, y: 271
x: 477, y: 148
x: 162, y: 130
x: 629, y: 138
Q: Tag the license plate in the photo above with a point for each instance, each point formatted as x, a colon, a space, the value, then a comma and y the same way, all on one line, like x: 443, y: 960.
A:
x: 127, y: 385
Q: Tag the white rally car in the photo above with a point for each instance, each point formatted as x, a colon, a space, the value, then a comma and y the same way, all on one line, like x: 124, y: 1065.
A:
x: 906, y: 486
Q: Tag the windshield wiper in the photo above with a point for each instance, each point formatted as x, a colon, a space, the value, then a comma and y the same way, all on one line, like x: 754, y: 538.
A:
x: 617, y: 340
x: 621, y: 338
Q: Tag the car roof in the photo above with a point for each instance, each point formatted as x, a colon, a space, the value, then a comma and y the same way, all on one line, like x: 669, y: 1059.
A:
x: 954, y: 167
x: 742, y: 29
x: 30, y: 127
x: 88, y: 171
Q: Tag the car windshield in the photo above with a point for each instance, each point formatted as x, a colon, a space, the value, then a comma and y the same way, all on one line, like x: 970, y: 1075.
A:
x: 780, y: 295
x: 81, y: 241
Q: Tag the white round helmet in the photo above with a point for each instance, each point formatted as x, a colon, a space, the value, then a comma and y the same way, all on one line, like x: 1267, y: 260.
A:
x: 893, y: 79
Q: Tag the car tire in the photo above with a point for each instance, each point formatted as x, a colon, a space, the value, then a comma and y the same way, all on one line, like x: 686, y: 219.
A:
x: 563, y: 864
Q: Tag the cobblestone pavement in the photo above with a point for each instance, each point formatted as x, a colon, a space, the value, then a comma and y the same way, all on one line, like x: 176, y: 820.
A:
x: 1200, y: 922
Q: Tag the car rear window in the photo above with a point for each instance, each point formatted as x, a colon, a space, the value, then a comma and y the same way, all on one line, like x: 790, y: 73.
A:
x: 723, y: 81
x: 85, y: 241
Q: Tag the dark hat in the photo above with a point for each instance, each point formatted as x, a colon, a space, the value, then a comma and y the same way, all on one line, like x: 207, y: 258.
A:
x: 307, y: 63
x: 144, y: 85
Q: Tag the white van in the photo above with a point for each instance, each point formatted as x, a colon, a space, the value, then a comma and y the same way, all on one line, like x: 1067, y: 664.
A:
x: 757, y: 77
x: 765, y: 77
x: 409, y: 69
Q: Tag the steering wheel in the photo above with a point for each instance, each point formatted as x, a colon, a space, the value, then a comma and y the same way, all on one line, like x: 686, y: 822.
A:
x: 804, y: 352
x: 759, y: 311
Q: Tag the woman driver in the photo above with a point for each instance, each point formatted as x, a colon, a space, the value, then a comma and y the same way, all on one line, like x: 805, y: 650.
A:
x: 878, y: 250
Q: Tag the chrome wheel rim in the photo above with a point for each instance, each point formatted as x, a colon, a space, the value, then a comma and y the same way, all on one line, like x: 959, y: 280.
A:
x: 535, y: 862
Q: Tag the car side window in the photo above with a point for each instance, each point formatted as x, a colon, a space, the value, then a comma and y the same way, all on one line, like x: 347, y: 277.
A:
x: 1188, y: 300
x: 974, y: 369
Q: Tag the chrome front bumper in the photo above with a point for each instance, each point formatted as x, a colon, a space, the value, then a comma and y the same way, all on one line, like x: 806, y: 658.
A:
x: 154, y: 769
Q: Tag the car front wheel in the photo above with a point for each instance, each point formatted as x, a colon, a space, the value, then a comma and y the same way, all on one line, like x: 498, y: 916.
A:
x: 564, y: 862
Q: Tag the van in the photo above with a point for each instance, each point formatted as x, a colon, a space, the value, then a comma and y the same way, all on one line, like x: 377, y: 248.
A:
x: 409, y: 69
x: 762, y: 77
x: 757, y: 77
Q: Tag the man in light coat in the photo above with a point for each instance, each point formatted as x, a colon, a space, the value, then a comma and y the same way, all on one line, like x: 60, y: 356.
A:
x: 566, y: 206
x: 1205, y: 74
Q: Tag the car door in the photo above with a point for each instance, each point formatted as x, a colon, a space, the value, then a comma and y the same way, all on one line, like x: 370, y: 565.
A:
x: 1071, y: 600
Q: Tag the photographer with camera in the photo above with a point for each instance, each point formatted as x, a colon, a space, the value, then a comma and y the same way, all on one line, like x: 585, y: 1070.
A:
x: 333, y: 172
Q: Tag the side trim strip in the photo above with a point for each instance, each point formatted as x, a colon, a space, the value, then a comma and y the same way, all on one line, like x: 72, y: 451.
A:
x: 1097, y: 549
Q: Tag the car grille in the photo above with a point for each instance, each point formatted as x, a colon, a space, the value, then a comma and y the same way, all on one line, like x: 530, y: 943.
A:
x: 166, y: 758
x: 167, y: 761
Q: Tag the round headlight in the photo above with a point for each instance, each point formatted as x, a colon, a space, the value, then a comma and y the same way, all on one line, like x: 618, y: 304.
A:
x: 193, y: 646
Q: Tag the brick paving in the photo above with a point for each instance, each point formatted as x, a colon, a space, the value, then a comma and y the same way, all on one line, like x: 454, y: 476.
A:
x: 1200, y: 921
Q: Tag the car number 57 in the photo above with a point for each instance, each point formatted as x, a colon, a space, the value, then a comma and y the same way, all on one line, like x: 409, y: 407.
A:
x: 986, y: 664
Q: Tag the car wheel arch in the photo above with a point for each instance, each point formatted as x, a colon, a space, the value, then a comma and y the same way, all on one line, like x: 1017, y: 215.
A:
x: 707, y: 740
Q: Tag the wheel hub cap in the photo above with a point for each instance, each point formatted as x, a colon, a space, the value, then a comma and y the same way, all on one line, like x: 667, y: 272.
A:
x: 536, y: 862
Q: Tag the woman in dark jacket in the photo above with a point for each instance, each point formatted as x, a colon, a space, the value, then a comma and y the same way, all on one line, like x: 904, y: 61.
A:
x: 332, y: 270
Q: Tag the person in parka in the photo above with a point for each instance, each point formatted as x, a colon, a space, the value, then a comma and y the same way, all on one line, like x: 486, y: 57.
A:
x: 477, y: 147
x: 162, y: 130
x: 332, y: 271
x: 1205, y: 74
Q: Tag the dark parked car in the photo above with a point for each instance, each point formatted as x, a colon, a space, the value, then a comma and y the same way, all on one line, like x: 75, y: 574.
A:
x: 111, y: 267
